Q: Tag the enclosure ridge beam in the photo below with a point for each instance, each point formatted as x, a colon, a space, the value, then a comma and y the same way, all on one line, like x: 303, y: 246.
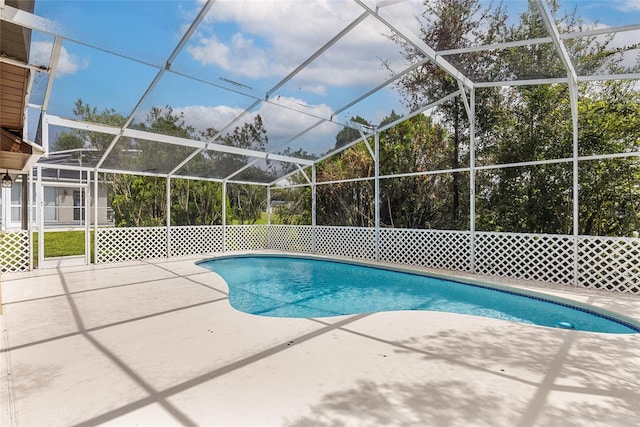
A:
x: 599, y: 31
x: 529, y: 82
x: 419, y: 44
x: 539, y: 40
x: 135, y: 133
x: 494, y: 46
x: 602, y: 77
x: 82, y: 125
x: 552, y: 29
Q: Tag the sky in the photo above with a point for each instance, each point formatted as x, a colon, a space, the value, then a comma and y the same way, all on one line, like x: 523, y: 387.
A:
x: 247, y: 47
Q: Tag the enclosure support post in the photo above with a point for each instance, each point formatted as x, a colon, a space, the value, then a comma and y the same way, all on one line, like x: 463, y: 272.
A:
x: 376, y: 199
x: 268, y: 217
x: 313, y: 208
x: 26, y: 193
x: 87, y: 219
x: 269, y: 205
x: 224, y: 216
x: 40, y: 217
x: 30, y: 207
x: 96, y: 215
x: 168, y: 202
x: 472, y: 180
x: 573, y: 96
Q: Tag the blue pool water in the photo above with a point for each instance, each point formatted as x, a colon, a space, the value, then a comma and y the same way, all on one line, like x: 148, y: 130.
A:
x: 279, y: 286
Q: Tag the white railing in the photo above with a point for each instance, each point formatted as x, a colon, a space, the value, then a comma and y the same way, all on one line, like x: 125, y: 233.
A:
x: 130, y: 243
x: 15, y: 251
x: 449, y: 250
x: 290, y: 238
x: 540, y: 257
x: 609, y: 263
x: 195, y: 240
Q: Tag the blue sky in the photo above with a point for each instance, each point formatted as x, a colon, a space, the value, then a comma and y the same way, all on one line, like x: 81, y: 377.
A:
x: 253, y: 43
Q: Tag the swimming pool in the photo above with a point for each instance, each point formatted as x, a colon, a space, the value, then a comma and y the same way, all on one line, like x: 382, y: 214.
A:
x: 304, y: 287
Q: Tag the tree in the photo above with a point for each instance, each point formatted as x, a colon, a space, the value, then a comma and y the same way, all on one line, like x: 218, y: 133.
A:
x: 609, y: 122
x: 531, y: 123
x: 449, y: 24
x: 347, y: 135
x: 424, y: 201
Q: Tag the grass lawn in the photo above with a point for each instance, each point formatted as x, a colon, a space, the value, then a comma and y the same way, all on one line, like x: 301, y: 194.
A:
x: 61, y: 243
x: 261, y: 221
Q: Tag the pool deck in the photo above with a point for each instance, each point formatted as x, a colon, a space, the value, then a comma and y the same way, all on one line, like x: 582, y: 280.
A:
x: 156, y: 343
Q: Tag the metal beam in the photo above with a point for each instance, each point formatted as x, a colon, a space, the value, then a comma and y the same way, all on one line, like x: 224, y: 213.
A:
x: 552, y: 29
x: 317, y: 53
x: 397, y: 27
x: 183, y: 41
x: 169, y: 139
x: 414, y: 113
x: 53, y: 66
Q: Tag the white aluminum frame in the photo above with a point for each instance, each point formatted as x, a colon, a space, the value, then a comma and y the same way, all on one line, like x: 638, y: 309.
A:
x: 466, y: 92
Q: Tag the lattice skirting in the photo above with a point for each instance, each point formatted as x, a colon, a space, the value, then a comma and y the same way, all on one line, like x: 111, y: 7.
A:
x: 15, y: 251
x: 448, y: 250
x: 603, y: 262
x: 129, y: 244
x: 348, y: 242
x: 195, y: 240
x: 290, y: 238
x: 609, y: 263
x: 540, y: 257
x: 246, y: 238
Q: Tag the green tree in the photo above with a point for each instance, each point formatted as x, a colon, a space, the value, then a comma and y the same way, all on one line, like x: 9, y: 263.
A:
x: 424, y: 201
x: 609, y: 122
x: 450, y: 24
x: 531, y: 123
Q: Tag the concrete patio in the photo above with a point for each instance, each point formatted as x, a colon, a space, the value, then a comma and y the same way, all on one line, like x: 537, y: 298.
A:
x: 156, y: 343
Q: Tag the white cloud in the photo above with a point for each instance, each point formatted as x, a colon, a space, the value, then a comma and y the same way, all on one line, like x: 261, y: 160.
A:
x: 240, y: 55
x: 626, y: 5
x: 271, y: 37
x: 67, y: 63
x: 281, y: 123
x: 202, y: 118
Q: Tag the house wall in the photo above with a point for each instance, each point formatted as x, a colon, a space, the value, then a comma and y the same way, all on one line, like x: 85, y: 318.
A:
x: 70, y: 204
x: 60, y: 207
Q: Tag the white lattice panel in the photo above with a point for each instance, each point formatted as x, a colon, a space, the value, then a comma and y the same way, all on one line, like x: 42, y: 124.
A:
x: 129, y: 243
x: 350, y: 242
x: 290, y: 238
x: 541, y: 257
x: 246, y: 237
x: 14, y: 251
x: 196, y: 240
x: 609, y: 263
x: 427, y: 248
